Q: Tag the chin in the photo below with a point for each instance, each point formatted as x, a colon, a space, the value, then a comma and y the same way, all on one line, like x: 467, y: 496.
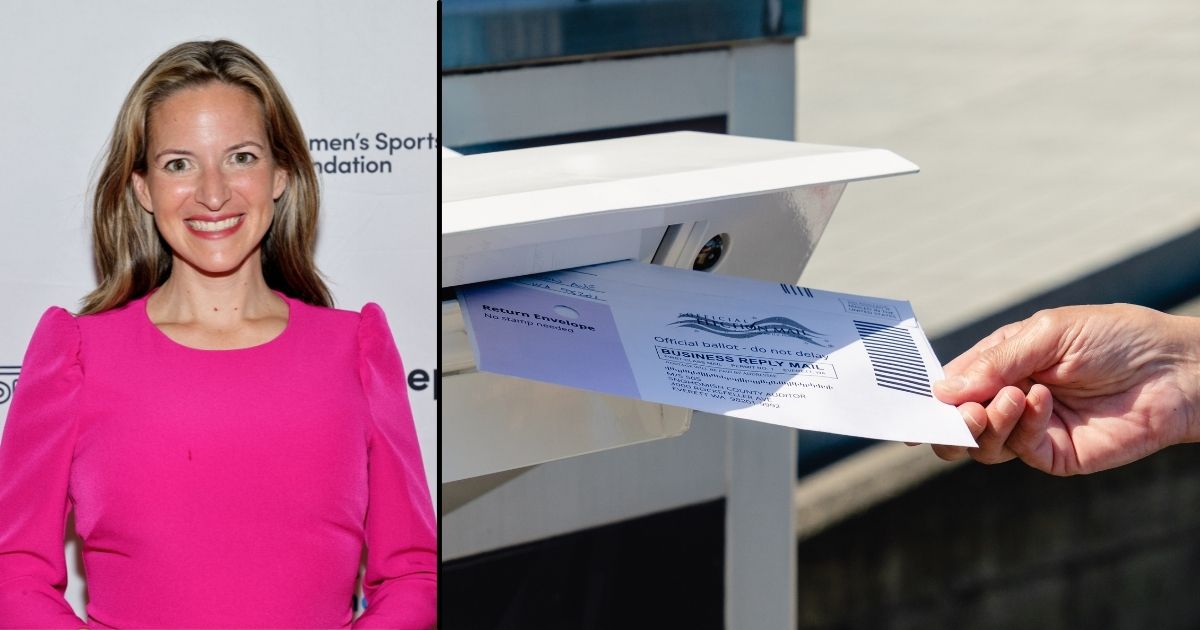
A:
x: 218, y: 265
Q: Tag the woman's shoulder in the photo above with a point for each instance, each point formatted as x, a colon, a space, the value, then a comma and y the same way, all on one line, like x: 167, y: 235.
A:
x: 54, y: 345
x: 119, y: 315
x: 325, y: 315
x: 337, y: 316
x: 369, y: 321
x: 111, y: 321
x: 58, y: 328
x: 58, y: 322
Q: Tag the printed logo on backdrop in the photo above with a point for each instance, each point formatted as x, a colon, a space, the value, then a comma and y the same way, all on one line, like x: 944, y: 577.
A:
x: 8, y: 381
x: 420, y: 380
x: 364, y: 154
x: 742, y: 328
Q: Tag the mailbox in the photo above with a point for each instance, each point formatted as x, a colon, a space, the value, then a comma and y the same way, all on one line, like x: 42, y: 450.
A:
x: 721, y: 204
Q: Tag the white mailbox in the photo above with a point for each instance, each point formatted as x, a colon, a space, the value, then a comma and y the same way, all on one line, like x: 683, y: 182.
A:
x: 741, y: 206
x: 524, y: 461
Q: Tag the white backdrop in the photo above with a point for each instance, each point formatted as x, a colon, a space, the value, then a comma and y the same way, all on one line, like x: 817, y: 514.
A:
x: 361, y: 70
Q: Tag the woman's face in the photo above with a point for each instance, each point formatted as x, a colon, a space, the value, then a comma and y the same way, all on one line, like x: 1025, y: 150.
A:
x: 210, y: 178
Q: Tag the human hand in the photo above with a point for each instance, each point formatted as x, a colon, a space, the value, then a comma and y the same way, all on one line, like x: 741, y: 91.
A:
x: 1078, y: 389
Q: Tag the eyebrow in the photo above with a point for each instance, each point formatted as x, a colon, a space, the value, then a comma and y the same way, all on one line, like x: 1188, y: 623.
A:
x: 240, y: 145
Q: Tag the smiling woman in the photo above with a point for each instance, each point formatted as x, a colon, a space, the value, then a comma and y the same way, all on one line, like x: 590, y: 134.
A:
x: 211, y: 182
x: 247, y: 100
x: 209, y: 486
x: 210, y: 172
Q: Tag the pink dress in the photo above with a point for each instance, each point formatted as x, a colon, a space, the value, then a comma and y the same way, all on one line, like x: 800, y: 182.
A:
x: 215, y: 488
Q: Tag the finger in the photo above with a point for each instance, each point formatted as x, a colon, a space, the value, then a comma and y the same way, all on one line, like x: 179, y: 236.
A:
x: 1033, y: 348
x: 975, y: 418
x: 950, y: 388
x: 1029, y: 440
x: 1003, y: 414
x: 956, y: 366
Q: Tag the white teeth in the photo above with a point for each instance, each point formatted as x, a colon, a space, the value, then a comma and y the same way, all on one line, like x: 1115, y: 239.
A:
x: 214, y: 226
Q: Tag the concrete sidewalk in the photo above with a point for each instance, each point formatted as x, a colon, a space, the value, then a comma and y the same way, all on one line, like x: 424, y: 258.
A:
x: 1054, y: 139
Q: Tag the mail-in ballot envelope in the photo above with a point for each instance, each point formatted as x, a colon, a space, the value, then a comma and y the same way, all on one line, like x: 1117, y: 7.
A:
x: 776, y: 353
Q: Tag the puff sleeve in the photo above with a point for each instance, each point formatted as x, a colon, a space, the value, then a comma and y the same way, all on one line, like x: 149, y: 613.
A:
x: 35, y: 462
x: 400, y: 584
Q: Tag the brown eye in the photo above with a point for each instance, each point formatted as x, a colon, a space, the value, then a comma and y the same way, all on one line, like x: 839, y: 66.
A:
x: 244, y: 158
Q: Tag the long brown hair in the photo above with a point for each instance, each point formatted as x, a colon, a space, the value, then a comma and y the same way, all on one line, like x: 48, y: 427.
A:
x: 131, y: 257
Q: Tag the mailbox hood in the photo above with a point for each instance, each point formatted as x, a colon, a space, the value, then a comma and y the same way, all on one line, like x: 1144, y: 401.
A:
x: 530, y: 210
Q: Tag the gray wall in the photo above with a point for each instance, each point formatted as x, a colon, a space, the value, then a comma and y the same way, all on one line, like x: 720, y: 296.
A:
x: 1008, y: 547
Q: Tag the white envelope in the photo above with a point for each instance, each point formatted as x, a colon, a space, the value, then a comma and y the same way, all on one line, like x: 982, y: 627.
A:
x: 775, y: 353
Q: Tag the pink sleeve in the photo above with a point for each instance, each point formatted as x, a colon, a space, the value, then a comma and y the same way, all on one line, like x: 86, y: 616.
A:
x: 401, y: 578
x: 35, y: 461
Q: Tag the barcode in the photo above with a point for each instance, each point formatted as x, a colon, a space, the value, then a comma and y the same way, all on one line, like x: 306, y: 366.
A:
x: 894, y: 358
x: 794, y: 290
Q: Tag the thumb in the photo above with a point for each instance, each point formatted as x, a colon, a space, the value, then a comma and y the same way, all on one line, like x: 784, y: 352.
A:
x: 1011, y: 361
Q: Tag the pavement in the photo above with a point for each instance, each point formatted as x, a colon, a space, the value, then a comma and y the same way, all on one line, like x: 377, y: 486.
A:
x: 1054, y: 139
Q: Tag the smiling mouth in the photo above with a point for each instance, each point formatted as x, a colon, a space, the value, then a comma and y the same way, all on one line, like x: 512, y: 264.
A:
x: 214, y: 226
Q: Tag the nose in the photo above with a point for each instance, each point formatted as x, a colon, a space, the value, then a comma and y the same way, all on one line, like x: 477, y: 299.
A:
x: 212, y: 190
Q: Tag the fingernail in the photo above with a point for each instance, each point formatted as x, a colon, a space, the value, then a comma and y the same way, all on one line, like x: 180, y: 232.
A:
x: 973, y: 425
x: 1007, y: 404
